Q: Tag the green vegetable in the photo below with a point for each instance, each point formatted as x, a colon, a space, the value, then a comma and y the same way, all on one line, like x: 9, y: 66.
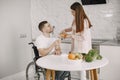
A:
x: 88, y: 58
x: 93, y: 52
x: 99, y: 57
x: 92, y: 55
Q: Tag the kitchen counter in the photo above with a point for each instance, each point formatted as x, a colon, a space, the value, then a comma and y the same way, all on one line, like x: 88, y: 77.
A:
x: 67, y: 41
x: 94, y: 41
x: 98, y: 42
x: 111, y: 43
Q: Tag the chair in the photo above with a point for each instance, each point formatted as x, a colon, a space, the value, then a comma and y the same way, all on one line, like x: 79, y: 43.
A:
x: 37, y: 70
x: 66, y: 74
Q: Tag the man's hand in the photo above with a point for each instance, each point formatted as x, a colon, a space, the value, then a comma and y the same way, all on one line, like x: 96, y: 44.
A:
x: 57, y: 47
x: 57, y: 50
x: 57, y: 42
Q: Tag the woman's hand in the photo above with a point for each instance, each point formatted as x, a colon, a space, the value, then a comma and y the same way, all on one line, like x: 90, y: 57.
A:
x: 63, y: 31
x: 70, y: 36
x: 62, y: 35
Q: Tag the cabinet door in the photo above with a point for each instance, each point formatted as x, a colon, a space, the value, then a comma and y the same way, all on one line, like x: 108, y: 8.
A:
x: 112, y: 70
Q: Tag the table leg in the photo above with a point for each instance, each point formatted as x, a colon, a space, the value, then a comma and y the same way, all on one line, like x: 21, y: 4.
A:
x: 95, y: 74
x: 48, y: 74
x: 53, y: 75
x: 91, y: 75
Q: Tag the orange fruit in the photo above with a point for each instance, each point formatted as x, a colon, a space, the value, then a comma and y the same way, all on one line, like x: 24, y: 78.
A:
x: 63, y: 35
x: 71, y: 56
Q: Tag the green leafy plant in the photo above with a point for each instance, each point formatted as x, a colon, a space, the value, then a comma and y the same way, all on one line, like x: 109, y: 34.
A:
x: 99, y: 57
x: 92, y: 55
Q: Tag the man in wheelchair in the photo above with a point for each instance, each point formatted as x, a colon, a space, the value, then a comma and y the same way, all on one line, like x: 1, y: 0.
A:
x: 48, y: 45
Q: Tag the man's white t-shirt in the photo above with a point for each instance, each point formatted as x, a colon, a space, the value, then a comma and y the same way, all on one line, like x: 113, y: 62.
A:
x: 44, y: 42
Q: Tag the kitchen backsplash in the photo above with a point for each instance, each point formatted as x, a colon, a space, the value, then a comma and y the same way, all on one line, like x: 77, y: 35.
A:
x: 105, y: 18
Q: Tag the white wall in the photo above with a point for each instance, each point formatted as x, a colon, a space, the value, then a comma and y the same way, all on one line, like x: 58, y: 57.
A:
x: 104, y: 17
x: 112, y: 70
x: 55, y: 12
x: 15, y: 33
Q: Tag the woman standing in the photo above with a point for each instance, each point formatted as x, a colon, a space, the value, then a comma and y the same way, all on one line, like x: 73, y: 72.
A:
x: 81, y: 36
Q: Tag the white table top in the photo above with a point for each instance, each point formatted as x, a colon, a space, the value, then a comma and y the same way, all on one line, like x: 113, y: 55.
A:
x: 61, y: 62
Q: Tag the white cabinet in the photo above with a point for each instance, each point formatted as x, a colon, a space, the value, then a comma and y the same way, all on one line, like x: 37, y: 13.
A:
x: 112, y: 70
x: 65, y: 47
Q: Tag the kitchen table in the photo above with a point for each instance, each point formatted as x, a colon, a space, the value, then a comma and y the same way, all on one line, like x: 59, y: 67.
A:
x: 62, y: 63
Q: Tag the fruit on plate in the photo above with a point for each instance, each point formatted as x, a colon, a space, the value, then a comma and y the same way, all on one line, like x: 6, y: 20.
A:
x: 83, y: 54
x: 78, y: 56
x: 75, y: 56
x: 63, y: 35
x: 71, y: 56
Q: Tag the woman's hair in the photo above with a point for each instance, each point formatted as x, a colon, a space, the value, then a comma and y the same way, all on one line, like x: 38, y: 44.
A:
x: 79, y: 16
x: 41, y: 25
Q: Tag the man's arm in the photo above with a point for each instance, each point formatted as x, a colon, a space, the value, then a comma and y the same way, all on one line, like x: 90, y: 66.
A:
x: 45, y: 51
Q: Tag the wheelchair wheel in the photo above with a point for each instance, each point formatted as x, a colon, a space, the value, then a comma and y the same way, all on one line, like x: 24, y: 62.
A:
x: 34, y: 74
x: 31, y: 73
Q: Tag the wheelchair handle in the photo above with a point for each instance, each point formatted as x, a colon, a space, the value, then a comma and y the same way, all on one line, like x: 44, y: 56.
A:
x: 31, y: 43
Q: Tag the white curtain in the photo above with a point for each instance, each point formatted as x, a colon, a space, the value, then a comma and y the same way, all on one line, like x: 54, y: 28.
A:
x: 56, y: 12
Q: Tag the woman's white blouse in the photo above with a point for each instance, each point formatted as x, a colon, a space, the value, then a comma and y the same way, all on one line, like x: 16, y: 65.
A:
x: 81, y: 42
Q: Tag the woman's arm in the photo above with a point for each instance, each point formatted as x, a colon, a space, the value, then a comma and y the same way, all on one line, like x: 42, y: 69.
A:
x: 68, y: 29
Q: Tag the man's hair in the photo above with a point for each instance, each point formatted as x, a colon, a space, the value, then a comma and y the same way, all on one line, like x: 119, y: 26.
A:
x: 41, y: 25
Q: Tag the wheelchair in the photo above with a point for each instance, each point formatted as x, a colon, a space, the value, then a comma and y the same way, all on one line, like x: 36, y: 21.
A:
x: 34, y: 72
